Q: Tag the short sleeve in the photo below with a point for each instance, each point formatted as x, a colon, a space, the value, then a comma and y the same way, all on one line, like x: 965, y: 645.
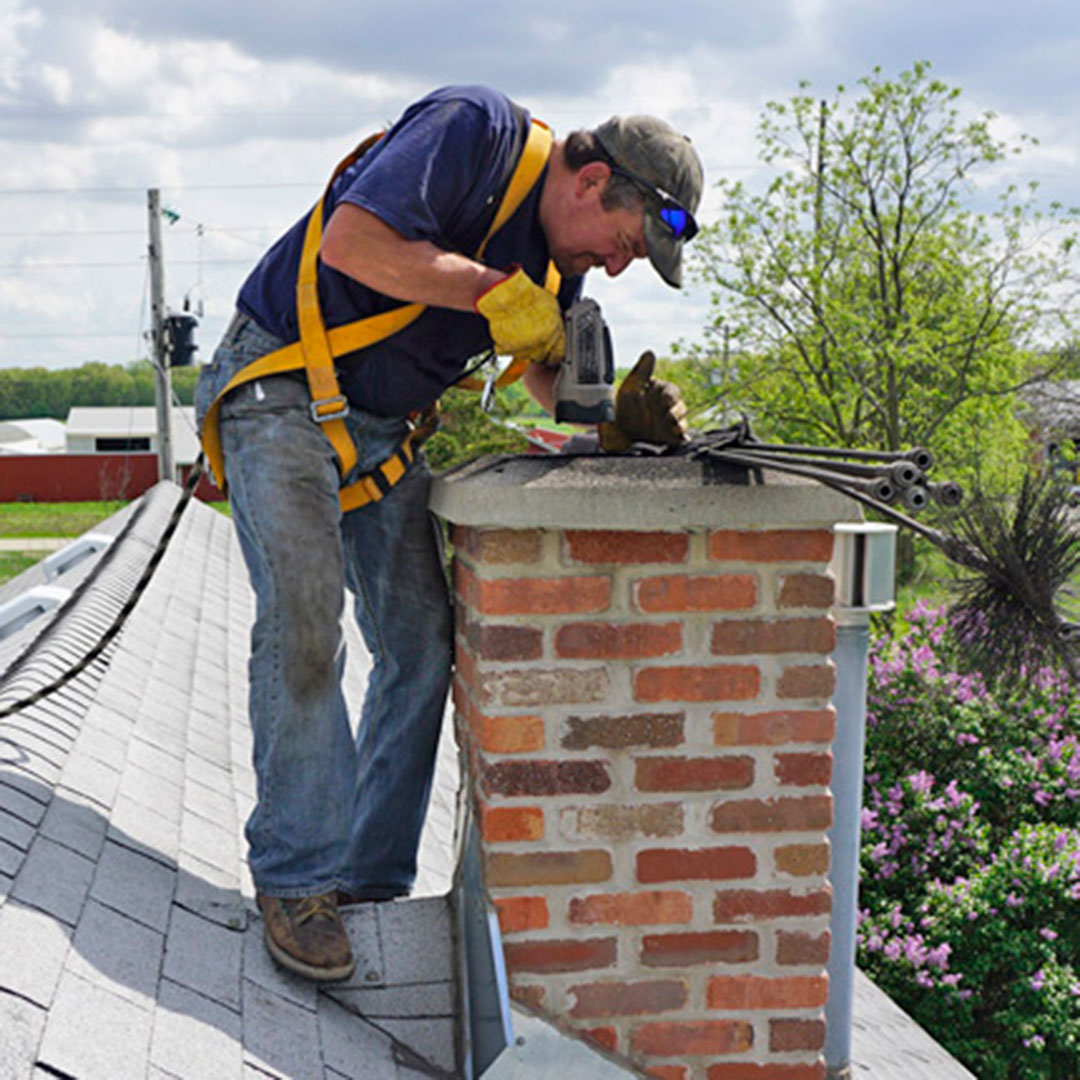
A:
x: 429, y: 173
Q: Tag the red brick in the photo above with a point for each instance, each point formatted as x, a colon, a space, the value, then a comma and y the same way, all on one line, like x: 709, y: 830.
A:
x: 607, y: 999
x: 693, y: 774
x: 540, y: 596
x: 617, y: 641
x: 668, y: 1072
x: 682, y: 592
x: 741, y: 637
x: 546, y: 957
x: 531, y: 996
x: 739, y: 992
x: 499, y: 546
x: 531, y: 777
x: 794, y: 947
x: 723, y: 682
x: 506, y: 870
x: 807, y: 681
x: 804, y: 770
x: 601, y: 546
x: 809, y: 813
x: 790, y: 1035
x: 632, y: 909
x: 508, y: 734
x: 772, y: 545
x: 698, y: 864
x: 489, y: 641
x: 706, y: 947
x: 802, y: 860
x: 655, y: 730
x: 531, y: 688
x: 518, y: 913
x: 692, y: 1039
x: 806, y: 591
x: 745, y: 905
x: 774, y: 728
x: 508, y: 824
x: 607, y: 1038
x: 774, y: 1071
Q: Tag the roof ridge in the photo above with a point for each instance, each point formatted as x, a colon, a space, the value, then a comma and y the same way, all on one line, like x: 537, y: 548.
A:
x: 62, y: 644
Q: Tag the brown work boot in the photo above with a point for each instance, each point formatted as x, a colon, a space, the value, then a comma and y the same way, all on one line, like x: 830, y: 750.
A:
x: 306, y: 935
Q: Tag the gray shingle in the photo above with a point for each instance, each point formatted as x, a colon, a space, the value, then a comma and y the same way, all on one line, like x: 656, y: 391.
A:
x: 34, y: 947
x: 15, y: 831
x: 17, y: 801
x: 92, y: 778
x: 55, y: 879
x: 209, y: 842
x: 354, y: 1049
x: 21, y: 1025
x: 260, y: 969
x: 152, y: 791
x: 211, y: 892
x: 139, y: 827
x: 280, y: 1036
x: 406, y: 931
x: 135, y: 885
x: 11, y: 858
x: 117, y: 953
x: 94, y: 1034
x: 204, y: 956
x: 195, y: 1038
x: 76, y: 822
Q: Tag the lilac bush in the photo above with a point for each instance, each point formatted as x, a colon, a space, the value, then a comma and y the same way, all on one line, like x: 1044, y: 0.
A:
x: 970, y: 885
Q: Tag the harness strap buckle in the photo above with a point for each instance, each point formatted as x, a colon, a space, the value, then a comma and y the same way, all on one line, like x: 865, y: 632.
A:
x: 325, y: 410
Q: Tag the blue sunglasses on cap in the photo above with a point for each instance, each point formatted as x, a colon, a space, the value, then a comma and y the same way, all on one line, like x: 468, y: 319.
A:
x: 672, y: 213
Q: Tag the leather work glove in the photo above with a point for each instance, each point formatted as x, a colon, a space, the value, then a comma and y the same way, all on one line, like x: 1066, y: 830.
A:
x: 525, y: 320
x: 646, y: 410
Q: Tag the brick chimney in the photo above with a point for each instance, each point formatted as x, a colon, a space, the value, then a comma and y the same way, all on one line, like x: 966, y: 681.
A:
x: 643, y: 698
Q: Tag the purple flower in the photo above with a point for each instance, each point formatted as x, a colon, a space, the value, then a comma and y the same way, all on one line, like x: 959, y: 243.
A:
x: 1038, y: 981
x: 1050, y: 935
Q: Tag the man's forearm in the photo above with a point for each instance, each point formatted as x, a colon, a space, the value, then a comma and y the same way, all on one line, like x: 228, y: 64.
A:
x: 539, y: 381
x: 359, y: 244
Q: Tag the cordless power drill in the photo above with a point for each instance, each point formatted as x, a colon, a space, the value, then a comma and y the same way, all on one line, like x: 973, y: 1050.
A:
x: 585, y: 385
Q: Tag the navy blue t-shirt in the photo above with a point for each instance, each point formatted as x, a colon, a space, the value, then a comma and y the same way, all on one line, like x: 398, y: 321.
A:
x: 437, y: 175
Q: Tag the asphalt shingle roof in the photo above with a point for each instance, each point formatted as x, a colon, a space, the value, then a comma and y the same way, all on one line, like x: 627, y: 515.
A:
x: 129, y: 941
x: 130, y: 945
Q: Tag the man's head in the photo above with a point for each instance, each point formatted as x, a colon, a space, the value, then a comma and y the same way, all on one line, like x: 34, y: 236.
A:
x: 636, y: 185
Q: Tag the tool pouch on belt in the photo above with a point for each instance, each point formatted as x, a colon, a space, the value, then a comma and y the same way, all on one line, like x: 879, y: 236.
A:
x: 318, y: 347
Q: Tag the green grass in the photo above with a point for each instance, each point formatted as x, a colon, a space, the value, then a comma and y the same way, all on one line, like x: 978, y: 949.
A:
x: 53, y: 519
x: 13, y: 563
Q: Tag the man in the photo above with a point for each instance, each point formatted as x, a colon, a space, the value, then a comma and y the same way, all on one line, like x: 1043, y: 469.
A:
x: 338, y: 821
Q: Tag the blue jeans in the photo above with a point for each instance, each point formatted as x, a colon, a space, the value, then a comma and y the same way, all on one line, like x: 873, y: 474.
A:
x: 331, y: 812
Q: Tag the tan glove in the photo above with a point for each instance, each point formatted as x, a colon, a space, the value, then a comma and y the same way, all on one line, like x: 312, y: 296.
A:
x: 646, y: 410
x: 526, y: 320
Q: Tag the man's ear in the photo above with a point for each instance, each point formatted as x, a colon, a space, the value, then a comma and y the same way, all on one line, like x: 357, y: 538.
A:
x: 594, y: 174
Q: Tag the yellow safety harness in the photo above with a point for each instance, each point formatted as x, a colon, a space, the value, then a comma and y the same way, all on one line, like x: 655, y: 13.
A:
x: 318, y: 347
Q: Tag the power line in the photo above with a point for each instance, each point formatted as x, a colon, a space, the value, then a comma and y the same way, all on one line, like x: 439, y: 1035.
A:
x: 23, y: 267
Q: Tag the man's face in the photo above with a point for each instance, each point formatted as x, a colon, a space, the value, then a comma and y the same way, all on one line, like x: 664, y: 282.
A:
x: 588, y: 236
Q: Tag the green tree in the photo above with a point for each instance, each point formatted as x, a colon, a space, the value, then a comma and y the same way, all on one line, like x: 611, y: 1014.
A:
x: 37, y: 392
x: 867, y: 298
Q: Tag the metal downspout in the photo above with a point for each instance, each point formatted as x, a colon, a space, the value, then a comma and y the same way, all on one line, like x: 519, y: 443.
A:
x: 864, y: 569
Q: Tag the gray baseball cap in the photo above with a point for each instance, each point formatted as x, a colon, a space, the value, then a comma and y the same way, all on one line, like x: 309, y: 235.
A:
x: 653, y: 153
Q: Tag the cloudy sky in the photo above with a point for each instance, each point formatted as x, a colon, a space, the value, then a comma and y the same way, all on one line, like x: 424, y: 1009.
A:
x: 237, y: 111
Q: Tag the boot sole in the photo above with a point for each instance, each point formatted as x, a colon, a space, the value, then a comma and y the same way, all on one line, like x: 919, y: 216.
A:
x: 309, y: 971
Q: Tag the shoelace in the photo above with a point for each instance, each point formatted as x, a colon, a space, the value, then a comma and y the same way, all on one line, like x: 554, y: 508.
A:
x: 314, y: 907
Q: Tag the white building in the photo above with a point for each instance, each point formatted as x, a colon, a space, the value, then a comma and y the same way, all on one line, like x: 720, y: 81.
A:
x: 117, y: 429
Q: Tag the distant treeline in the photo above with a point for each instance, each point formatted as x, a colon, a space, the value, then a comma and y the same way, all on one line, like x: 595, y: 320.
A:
x: 27, y: 393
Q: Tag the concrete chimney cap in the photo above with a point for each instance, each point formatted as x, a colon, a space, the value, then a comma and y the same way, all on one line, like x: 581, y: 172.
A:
x: 616, y: 492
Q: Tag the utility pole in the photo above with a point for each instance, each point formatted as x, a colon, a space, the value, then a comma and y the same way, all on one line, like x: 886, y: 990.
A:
x: 162, y: 380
